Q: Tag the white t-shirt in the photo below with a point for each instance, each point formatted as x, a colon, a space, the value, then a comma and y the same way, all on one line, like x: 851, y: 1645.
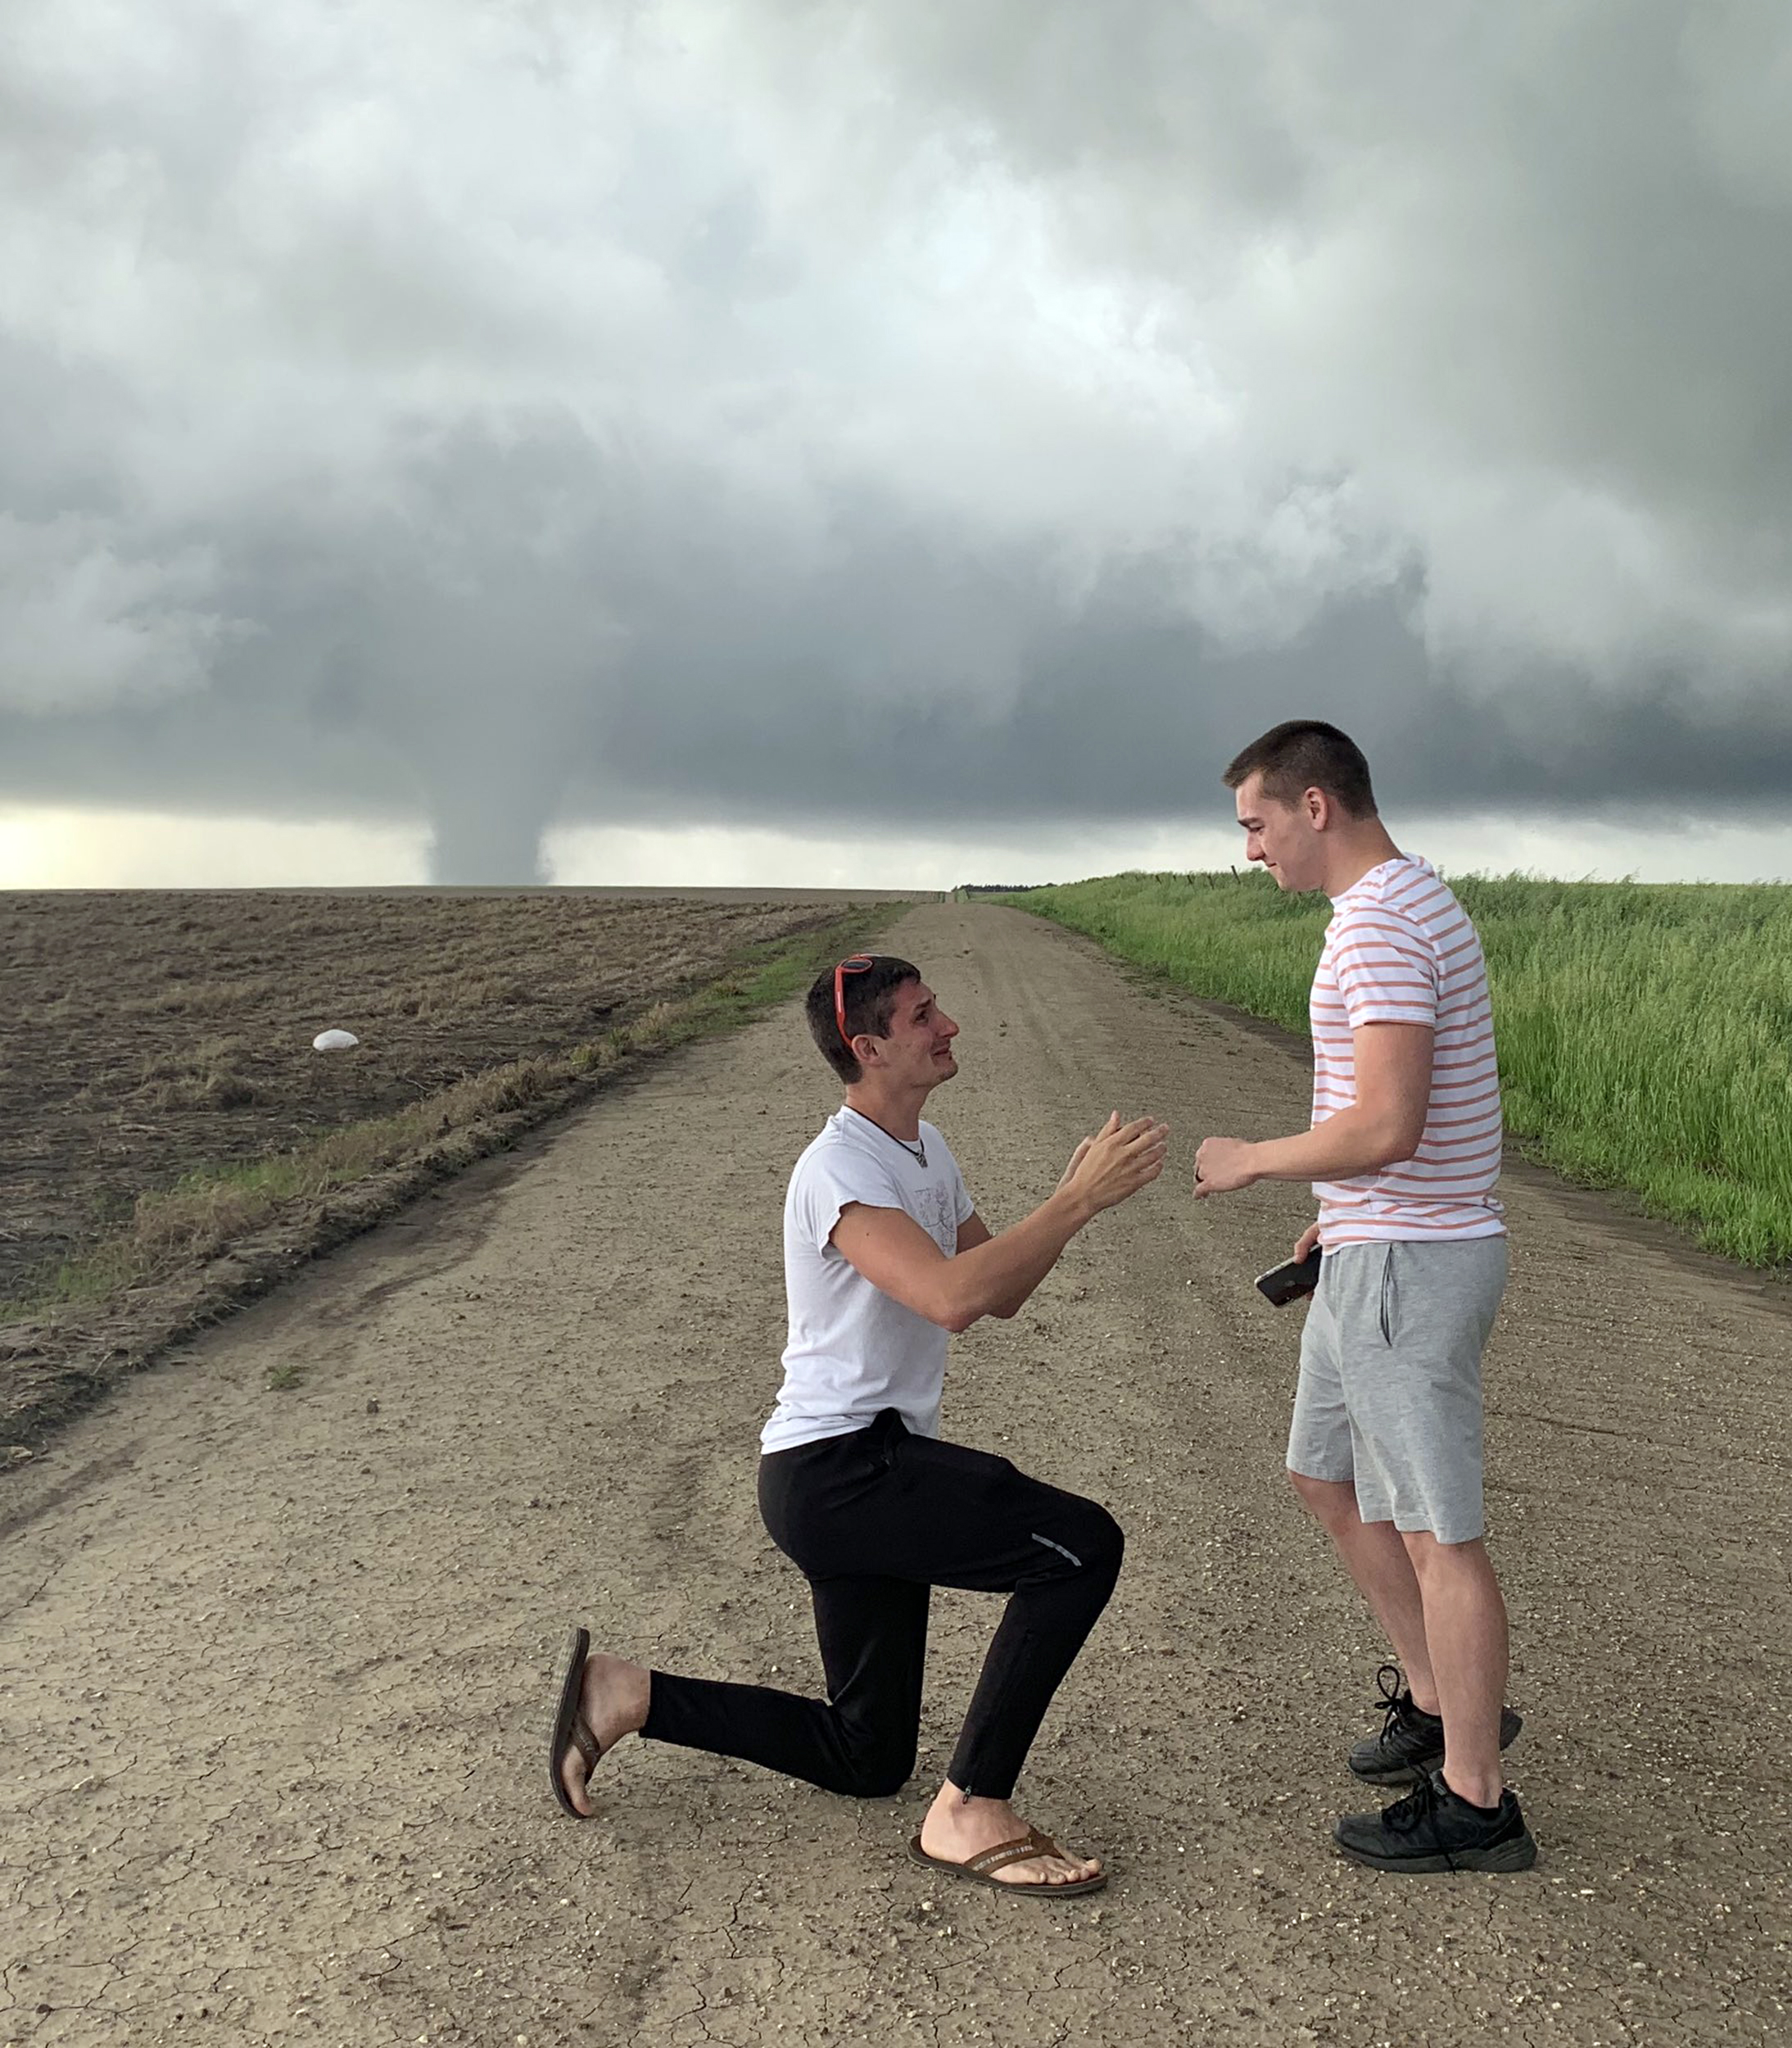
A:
x: 854, y: 1350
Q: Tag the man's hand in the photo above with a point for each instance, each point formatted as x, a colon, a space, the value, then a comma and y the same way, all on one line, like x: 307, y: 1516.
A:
x: 1077, y: 1157
x: 1224, y: 1165
x: 1307, y: 1243
x: 1117, y: 1162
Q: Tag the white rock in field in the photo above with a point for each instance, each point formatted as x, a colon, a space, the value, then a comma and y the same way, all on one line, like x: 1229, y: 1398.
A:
x: 333, y: 1041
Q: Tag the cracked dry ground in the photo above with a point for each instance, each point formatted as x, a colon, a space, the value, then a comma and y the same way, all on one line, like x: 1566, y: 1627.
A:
x: 277, y: 1657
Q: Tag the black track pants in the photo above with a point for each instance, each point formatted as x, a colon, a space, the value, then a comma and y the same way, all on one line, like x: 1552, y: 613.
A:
x: 873, y: 1520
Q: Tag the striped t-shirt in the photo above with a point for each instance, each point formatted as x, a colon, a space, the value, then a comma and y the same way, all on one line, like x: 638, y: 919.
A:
x: 1399, y: 949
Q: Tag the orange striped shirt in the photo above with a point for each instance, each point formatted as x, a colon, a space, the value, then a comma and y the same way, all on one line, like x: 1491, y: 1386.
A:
x: 1399, y: 949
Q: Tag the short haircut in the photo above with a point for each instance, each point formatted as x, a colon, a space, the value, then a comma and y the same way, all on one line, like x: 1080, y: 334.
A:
x: 1306, y: 753
x: 869, y: 996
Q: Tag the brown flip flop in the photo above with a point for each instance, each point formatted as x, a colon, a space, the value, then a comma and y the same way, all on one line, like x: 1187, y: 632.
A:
x: 979, y: 1870
x: 571, y: 1729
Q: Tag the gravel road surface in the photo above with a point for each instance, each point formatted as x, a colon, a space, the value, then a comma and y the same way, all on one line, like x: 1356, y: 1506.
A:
x: 277, y: 1624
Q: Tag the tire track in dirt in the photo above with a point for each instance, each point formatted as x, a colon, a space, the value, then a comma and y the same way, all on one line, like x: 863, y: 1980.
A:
x: 273, y: 1690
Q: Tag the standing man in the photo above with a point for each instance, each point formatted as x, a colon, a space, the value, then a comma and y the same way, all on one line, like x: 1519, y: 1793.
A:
x: 1404, y: 1154
x: 883, y: 1256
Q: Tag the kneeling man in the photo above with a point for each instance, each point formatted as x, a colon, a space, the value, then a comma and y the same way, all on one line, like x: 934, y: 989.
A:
x: 884, y: 1255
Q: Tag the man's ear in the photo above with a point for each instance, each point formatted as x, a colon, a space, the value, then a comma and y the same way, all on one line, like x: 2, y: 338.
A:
x: 1318, y: 808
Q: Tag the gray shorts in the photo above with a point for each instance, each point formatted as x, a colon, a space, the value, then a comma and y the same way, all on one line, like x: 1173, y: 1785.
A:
x: 1390, y: 1391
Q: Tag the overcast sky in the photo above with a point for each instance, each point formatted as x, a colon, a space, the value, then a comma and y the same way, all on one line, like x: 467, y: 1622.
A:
x: 771, y: 440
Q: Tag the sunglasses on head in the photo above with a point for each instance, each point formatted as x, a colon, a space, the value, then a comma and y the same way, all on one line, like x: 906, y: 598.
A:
x: 854, y: 963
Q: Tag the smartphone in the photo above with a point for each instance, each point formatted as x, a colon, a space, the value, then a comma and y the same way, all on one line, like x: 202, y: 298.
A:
x: 1284, y: 1284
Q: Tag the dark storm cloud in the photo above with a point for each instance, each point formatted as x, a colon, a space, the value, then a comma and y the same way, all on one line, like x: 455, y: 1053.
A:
x: 1053, y: 406
x: 469, y: 673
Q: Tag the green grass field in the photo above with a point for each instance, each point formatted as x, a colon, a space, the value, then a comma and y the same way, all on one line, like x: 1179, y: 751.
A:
x: 1644, y: 1031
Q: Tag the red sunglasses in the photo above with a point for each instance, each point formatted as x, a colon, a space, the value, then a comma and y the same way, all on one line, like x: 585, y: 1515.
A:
x: 854, y: 963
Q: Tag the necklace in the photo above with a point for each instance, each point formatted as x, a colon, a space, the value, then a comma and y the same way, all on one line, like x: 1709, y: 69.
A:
x: 917, y: 1151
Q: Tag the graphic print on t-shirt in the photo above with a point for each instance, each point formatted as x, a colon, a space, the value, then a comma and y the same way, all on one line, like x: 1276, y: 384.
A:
x: 933, y: 1207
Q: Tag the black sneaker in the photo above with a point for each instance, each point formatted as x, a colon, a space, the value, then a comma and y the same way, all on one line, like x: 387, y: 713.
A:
x: 1411, y: 1743
x: 1431, y: 1829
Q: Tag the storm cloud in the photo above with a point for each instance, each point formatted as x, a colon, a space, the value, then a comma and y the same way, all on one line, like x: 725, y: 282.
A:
x: 749, y: 413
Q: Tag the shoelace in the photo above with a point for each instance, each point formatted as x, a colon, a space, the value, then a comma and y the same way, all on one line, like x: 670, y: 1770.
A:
x: 1391, y: 1684
x: 1420, y: 1805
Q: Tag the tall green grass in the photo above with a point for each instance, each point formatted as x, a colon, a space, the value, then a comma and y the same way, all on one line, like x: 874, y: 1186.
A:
x: 1644, y: 1031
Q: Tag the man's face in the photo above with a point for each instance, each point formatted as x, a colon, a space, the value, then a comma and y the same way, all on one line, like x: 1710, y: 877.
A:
x: 1283, y: 836
x: 919, y: 1045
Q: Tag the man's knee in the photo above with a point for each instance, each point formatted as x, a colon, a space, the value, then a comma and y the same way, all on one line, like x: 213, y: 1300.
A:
x: 1097, y: 1541
x: 1431, y: 1558
x: 883, y: 1783
x: 1331, y: 1502
x: 878, y: 1769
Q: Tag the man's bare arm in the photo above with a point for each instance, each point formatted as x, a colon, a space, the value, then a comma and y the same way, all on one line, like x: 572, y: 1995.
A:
x: 972, y: 1232
x: 1383, y: 1127
x: 994, y: 1277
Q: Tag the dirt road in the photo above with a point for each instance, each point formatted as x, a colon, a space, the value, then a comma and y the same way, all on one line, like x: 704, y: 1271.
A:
x: 278, y: 1623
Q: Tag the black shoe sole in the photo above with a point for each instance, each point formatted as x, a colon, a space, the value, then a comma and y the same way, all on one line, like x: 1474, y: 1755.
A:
x: 1503, y: 1858
x: 1424, y: 1766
